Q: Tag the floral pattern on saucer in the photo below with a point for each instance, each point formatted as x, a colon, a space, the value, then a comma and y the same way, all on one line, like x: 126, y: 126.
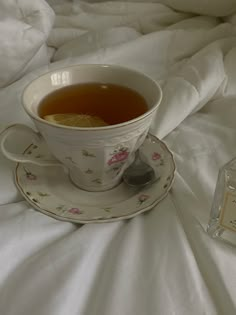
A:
x: 49, y: 189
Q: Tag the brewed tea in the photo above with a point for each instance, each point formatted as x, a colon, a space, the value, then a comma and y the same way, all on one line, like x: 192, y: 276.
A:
x: 112, y: 103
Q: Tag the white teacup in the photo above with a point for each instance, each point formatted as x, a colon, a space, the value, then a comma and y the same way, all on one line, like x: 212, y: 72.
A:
x: 95, y: 157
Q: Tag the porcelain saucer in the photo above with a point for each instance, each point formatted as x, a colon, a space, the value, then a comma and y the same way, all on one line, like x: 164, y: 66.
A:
x: 49, y: 189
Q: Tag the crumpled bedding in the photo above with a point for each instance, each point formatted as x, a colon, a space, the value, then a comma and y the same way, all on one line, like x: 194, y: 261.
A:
x: 162, y: 262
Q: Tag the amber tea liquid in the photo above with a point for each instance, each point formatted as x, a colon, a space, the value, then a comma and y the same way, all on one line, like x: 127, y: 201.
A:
x: 113, y: 103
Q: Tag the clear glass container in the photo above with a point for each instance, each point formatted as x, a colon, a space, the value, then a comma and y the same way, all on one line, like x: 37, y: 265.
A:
x: 222, y: 222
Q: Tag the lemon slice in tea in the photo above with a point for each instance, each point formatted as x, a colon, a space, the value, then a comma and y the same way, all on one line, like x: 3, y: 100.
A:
x: 76, y: 120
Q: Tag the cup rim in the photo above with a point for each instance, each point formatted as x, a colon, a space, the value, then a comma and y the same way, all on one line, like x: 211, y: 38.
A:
x: 101, y: 128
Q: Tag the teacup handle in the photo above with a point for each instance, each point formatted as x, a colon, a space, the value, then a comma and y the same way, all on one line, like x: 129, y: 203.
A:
x: 37, y: 139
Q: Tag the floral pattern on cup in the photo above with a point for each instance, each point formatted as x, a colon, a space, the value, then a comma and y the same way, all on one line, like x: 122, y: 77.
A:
x: 142, y: 198
x: 97, y: 180
x: 69, y: 158
x: 63, y: 209
x: 43, y: 194
x: 156, y: 156
x: 75, y: 211
x: 107, y: 209
x: 86, y: 153
x: 117, y: 168
x: 118, y: 155
x: 89, y: 171
x: 29, y: 175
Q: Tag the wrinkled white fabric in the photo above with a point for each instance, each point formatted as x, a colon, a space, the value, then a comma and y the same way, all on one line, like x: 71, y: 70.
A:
x: 210, y: 7
x: 24, y: 28
x: 161, y: 262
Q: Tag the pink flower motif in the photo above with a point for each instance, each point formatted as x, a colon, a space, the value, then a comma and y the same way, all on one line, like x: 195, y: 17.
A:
x: 30, y: 175
x: 143, y: 198
x: 75, y: 211
x: 118, y: 157
x: 156, y: 156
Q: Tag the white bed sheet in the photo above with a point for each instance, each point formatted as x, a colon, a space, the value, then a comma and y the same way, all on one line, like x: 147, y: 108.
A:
x: 162, y: 262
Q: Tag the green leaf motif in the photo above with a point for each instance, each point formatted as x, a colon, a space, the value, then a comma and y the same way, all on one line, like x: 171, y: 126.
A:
x: 59, y: 207
x: 41, y: 194
x: 89, y: 171
x: 69, y: 158
x: 97, y: 181
x: 108, y: 209
x: 88, y: 154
